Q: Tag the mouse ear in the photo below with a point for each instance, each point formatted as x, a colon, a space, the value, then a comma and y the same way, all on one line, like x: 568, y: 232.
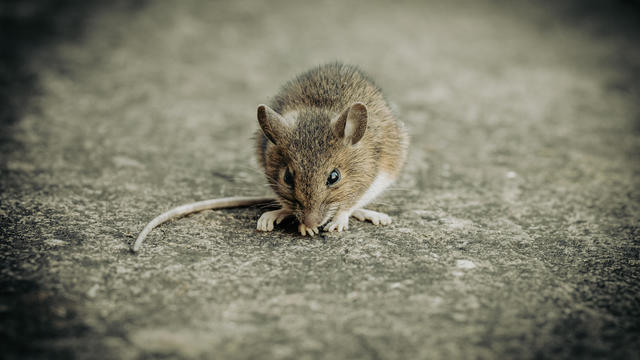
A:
x: 273, y: 124
x: 352, y: 123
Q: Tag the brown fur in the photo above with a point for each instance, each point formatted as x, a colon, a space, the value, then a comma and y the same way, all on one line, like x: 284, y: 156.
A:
x: 312, y: 146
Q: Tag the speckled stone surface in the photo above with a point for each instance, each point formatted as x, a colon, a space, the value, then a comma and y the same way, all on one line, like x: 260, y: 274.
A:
x: 516, y: 221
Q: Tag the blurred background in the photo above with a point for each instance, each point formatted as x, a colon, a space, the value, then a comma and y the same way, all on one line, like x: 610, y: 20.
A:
x: 516, y: 221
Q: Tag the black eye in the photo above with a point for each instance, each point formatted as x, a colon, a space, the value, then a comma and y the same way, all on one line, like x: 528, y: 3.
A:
x: 288, y: 178
x: 334, y: 177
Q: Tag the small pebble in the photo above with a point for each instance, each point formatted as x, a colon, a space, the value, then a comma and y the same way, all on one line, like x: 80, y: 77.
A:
x: 93, y: 291
x: 465, y: 264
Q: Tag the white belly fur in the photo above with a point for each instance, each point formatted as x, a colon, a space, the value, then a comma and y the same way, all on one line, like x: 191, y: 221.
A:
x: 381, y: 182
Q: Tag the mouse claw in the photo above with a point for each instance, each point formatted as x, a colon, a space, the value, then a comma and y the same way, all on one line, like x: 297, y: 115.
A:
x: 377, y: 218
x: 304, y: 230
x: 281, y: 217
x: 339, y: 223
x: 265, y: 223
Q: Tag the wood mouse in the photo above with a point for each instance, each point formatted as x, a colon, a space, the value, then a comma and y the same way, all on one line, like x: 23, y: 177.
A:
x: 328, y: 144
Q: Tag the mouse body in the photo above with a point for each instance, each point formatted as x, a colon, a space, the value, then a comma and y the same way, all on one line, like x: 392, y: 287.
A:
x: 329, y: 144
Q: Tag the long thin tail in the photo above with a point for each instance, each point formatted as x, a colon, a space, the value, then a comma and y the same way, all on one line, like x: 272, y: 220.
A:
x: 191, y: 208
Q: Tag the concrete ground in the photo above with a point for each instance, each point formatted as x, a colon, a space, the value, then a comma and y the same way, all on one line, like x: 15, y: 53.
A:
x: 516, y: 228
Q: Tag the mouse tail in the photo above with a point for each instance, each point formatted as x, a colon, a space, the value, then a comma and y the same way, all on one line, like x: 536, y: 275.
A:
x: 183, y: 210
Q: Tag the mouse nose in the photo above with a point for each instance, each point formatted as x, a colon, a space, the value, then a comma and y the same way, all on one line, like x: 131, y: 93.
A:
x: 312, y: 219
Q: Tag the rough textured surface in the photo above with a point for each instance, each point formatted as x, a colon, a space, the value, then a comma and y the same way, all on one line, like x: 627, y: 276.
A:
x: 516, y: 222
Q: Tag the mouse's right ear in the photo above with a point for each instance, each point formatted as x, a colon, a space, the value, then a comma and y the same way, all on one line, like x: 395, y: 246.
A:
x: 273, y: 124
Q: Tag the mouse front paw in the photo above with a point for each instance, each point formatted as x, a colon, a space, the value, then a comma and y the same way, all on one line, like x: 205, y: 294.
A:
x: 377, y: 218
x: 265, y: 223
x: 340, y: 222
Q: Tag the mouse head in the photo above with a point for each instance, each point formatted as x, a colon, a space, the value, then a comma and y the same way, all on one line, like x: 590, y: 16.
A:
x: 316, y: 162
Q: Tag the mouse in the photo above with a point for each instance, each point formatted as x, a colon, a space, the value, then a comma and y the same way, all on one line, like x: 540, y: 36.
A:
x: 328, y: 144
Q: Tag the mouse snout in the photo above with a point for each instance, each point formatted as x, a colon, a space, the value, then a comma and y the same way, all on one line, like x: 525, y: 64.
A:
x: 312, y: 219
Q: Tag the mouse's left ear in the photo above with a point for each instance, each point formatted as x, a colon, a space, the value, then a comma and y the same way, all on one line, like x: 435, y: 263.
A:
x: 352, y: 123
x: 273, y: 125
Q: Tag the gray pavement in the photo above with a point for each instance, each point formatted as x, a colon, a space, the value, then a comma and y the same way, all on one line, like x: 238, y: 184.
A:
x: 516, y: 221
